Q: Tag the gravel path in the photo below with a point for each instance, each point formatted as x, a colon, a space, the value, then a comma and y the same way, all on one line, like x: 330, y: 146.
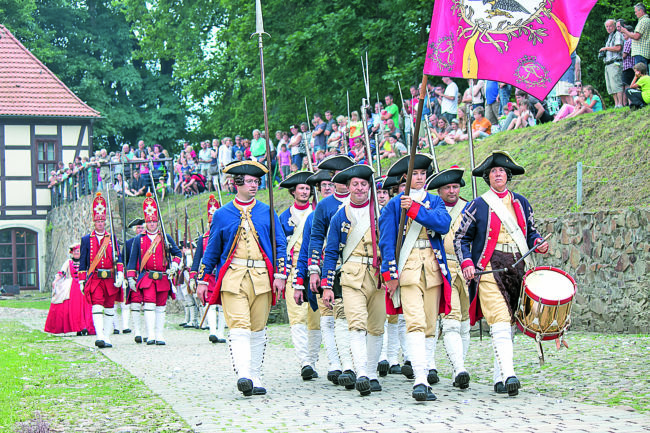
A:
x: 196, y: 379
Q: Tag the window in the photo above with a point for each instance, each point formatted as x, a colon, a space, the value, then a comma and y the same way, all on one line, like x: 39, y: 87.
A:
x: 46, y: 152
x: 19, y: 258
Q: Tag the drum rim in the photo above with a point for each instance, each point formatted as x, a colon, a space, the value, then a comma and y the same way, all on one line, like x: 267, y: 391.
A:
x: 544, y: 337
x: 545, y: 301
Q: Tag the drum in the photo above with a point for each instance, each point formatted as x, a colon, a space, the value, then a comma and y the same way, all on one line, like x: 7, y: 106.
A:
x: 544, y: 310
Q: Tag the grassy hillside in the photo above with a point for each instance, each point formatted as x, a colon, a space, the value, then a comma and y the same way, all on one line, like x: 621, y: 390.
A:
x: 612, y: 145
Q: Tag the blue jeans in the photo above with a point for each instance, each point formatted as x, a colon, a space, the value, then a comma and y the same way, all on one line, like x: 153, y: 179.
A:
x: 504, y: 97
x: 640, y: 59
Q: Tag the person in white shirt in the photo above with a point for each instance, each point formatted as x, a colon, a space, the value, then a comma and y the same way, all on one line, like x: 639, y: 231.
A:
x: 225, y: 158
x: 449, y: 104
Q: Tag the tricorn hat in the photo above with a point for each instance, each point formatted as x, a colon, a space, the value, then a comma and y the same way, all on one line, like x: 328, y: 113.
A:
x: 361, y: 171
x: 391, y: 182
x: 251, y: 168
x: 296, y: 179
x: 136, y: 222
x: 401, y: 166
x: 336, y: 162
x: 319, y: 176
x: 454, y: 174
x: 498, y: 158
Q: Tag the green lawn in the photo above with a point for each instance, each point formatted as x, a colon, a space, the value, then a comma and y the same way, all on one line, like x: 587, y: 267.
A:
x: 71, y: 387
x: 39, y: 304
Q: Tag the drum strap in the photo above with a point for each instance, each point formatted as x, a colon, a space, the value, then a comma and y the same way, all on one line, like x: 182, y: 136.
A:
x: 495, y: 203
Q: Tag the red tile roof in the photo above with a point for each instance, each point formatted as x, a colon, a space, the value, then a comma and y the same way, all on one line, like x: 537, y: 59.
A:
x: 28, y: 88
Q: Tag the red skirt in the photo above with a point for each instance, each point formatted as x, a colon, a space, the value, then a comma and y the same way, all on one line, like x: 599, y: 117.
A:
x: 72, y: 315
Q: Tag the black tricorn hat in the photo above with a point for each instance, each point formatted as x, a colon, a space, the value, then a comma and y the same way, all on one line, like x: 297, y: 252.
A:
x: 296, y: 179
x: 251, y: 168
x: 361, y: 171
x: 401, y: 166
x: 136, y: 222
x: 498, y: 158
x: 390, y: 182
x: 336, y: 162
x: 320, y: 176
x: 445, y: 177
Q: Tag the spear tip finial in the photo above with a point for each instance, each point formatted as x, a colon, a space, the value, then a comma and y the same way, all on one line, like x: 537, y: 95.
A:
x: 259, y: 22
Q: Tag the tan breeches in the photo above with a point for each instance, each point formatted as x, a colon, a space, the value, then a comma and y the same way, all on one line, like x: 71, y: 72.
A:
x: 459, y: 294
x: 392, y: 318
x: 493, y: 304
x: 301, y: 314
x: 338, y: 310
x: 421, y: 306
x: 244, y: 309
x: 365, y: 307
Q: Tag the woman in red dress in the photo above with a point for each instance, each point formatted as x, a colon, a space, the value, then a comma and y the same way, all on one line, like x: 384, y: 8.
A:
x: 69, y: 311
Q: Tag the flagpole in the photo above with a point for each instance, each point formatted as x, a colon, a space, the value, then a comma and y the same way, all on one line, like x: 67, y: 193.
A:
x: 471, y: 139
x: 259, y: 31
x: 409, y: 176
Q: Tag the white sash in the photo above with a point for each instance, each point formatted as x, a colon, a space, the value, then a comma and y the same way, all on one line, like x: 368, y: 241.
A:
x: 357, y: 231
x: 297, y: 232
x: 412, y: 235
x: 495, y: 203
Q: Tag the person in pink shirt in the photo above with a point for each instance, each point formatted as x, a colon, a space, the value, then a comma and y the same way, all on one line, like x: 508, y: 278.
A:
x: 285, y: 161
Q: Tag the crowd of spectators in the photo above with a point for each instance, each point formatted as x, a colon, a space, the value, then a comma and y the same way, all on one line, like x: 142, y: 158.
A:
x: 445, y: 121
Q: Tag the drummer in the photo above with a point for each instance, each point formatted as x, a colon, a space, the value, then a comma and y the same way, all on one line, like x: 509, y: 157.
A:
x: 496, y: 230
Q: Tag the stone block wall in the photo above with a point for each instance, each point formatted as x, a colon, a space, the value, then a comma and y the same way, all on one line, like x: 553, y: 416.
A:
x: 66, y: 224
x: 608, y: 254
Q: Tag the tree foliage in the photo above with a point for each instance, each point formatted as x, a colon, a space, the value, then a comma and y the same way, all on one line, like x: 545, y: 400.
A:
x: 147, y: 64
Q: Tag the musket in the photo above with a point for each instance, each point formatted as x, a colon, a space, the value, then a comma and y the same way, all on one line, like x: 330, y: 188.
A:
x: 407, y: 117
x: 431, y: 146
x: 219, y: 184
x: 202, y: 226
x: 112, y: 237
x: 346, y: 140
x: 409, y: 176
x: 259, y: 31
x: 373, y: 187
x: 307, y: 145
x: 364, y: 116
x: 160, y: 218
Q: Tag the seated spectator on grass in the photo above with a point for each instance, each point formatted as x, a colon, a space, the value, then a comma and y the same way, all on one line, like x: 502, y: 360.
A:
x: 138, y: 184
x: 589, y: 102
x: 193, y: 183
x: 439, y: 131
x: 537, y: 107
x: 161, y: 188
x: 393, y: 148
x: 481, y: 127
x: 639, y: 92
x: 523, y: 115
x: 121, y: 186
x: 455, y: 134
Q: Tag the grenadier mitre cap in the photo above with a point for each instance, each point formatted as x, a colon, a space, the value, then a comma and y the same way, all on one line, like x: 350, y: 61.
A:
x: 295, y: 179
x: 150, y: 209
x: 99, y: 208
x: 336, y: 163
x: 251, y: 168
x: 213, y: 205
x: 453, y: 174
x: 360, y: 171
x: 319, y: 176
x: 498, y: 158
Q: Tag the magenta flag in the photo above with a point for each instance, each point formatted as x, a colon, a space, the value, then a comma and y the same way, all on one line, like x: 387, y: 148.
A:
x: 526, y: 43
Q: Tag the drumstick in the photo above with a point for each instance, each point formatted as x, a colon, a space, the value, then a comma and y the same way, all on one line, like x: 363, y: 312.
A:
x: 514, y: 265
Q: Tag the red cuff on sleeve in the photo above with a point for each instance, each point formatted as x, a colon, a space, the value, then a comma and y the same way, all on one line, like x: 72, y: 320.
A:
x: 387, y: 277
x: 120, y: 267
x: 130, y: 273
x: 413, y: 210
x: 466, y: 263
x: 323, y: 283
x: 193, y: 274
x: 299, y: 281
x: 82, y: 275
x: 176, y: 260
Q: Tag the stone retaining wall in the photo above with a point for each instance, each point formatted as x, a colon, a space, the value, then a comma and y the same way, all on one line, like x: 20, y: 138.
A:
x: 608, y: 254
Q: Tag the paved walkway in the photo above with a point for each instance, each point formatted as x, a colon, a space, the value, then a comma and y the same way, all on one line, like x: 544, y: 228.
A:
x: 195, y: 377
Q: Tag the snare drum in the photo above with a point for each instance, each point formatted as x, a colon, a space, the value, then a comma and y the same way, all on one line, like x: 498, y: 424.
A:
x: 544, y: 310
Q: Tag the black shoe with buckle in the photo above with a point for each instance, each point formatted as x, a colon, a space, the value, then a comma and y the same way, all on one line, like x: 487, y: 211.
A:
x: 213, y: 338
x: 116, y: 331
x: 138, y: 339
x: 363, y: 386
x: 462, y: 380
x: 259, y: 390
x: 407, y: 370
x: 500, y: 388
x: 512, y: 386
x: 307, y: 372
x: 422, y: 392
x: 150, y: 342
x: 100, y: 344
x: 245, y: 386
x: 375, y: 386
x: 126, y: 331
x: 395, y: 369
x: 333, y: 376
x: 160, y: 343
x: 432, y: 377
x: 382, y: 368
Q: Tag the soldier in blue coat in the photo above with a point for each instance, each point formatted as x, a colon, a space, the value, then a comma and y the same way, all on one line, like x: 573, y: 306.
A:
x: 496, y: 229
x: 352, y: 242
x: 323, y: 214
x: 455, y: 325
x: 240, y: 252
x: 420, y: 270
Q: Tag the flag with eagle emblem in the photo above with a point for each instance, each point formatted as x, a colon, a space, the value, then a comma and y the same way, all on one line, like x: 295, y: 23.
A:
x: 526, y: 43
